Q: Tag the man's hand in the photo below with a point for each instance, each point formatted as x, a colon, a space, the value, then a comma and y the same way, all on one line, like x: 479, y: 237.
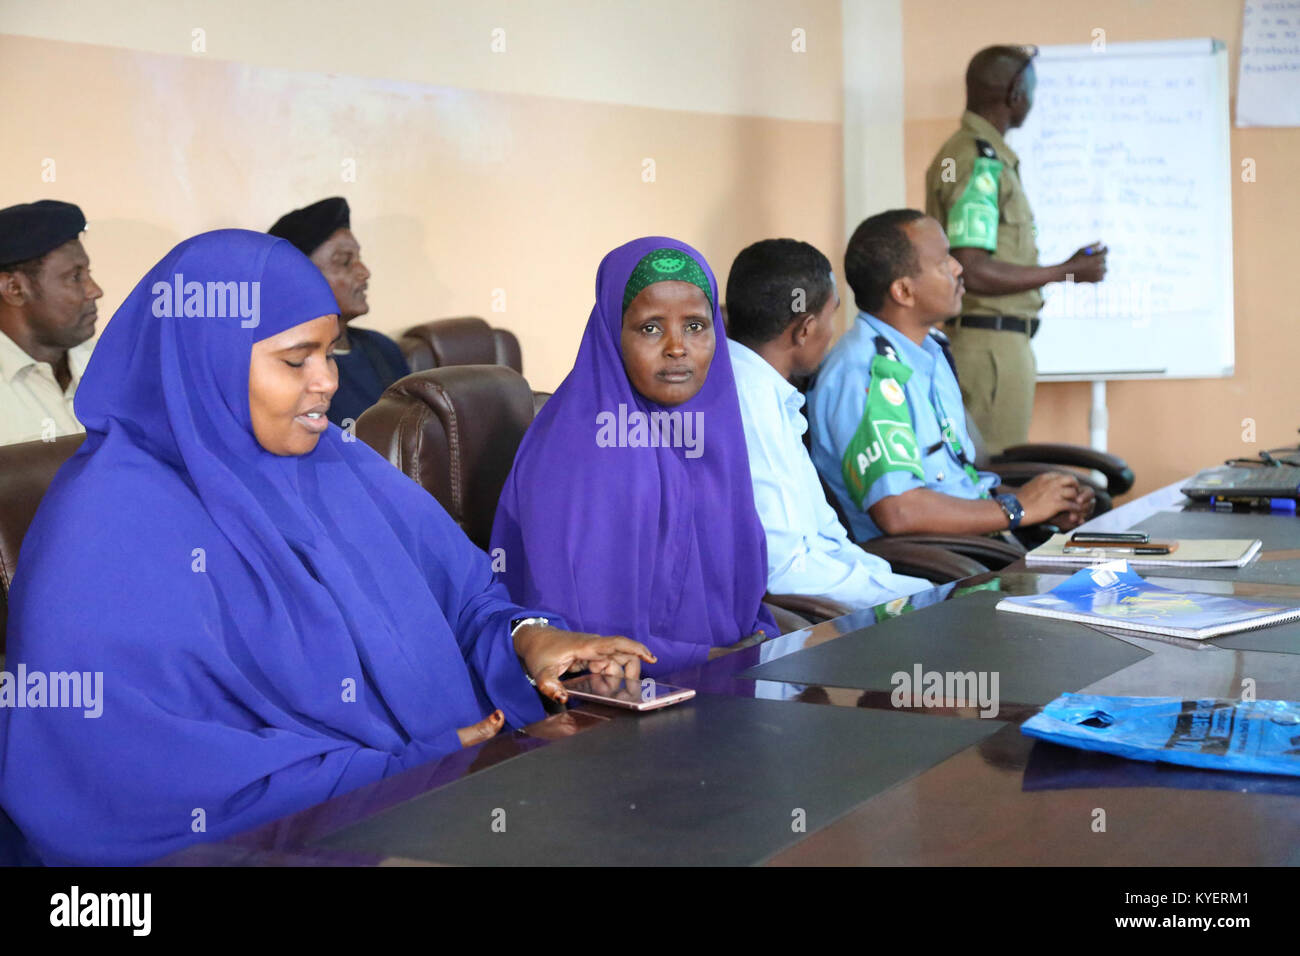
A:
x: 1047, y: 494
x: 549, y: 653
x: 1085, y: 267
x: 1083, y: 507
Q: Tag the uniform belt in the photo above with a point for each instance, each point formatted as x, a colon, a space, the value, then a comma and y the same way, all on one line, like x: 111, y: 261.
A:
x: 1002, y: 323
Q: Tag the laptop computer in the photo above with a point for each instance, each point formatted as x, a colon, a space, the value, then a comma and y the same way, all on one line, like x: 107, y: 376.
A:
x: 1233, y: 482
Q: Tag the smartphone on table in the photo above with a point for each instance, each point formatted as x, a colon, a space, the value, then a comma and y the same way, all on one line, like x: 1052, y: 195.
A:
x: 645, y: 694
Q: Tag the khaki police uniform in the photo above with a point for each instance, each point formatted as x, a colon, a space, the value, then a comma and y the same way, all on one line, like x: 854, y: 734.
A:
x: 978, y: 198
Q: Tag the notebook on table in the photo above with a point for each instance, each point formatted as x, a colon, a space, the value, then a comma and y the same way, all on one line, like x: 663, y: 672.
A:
x: 1187, y: 553
x: 1112, y: 595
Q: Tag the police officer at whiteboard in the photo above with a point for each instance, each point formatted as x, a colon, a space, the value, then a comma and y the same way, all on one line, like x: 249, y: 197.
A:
x: 973, y: 187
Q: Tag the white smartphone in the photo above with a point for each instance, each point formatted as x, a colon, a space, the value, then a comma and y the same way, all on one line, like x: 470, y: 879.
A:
x: 646, y: 694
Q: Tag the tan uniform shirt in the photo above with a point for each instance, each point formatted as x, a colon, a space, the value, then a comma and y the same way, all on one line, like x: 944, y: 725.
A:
x: 32, y: 405
x: 945, y: 184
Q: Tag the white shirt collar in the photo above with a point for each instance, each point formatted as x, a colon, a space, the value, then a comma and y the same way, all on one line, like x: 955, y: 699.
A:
x: 763, y: 372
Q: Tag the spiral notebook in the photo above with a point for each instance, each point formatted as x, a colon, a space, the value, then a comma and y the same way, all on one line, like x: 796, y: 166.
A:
x: 1112, y: 595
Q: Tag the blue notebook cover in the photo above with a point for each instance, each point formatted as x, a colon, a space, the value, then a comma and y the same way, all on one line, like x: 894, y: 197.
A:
x: 1112, y: 595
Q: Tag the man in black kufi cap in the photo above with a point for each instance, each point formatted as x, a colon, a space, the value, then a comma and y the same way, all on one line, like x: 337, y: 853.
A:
x: 47, y: 318
x: 368, y: 361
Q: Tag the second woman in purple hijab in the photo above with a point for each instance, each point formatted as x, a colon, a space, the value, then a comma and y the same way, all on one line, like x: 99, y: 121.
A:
x: 629, y: 508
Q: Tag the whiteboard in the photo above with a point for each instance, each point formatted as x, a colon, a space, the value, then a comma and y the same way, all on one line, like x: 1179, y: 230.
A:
x: 1130, y: 146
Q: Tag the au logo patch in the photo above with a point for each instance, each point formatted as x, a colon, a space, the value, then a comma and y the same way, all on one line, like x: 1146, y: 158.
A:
x: 898, y: 442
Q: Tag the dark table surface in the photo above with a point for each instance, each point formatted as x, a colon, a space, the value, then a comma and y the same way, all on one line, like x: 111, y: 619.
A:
x: 794, y: 752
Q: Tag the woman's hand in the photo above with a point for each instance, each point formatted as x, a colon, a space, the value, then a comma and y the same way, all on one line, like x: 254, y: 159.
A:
x: 485, y: 729
x: 548, y: 654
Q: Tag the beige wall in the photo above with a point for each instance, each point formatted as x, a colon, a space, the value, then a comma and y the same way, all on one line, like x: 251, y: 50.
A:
x: 1164, y: 429
x: 718, y: 56
x: 516, y: 174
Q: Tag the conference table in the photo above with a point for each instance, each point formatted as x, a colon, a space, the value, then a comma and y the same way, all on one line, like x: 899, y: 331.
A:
x: 803, y: 750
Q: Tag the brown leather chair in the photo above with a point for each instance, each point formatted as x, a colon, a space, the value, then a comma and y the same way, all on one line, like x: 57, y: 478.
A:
x: 26, y: 470
x: 462, y: 341
x: 455, y: 431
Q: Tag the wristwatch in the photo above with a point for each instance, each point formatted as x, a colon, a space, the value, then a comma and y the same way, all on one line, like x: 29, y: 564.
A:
x: 1013, y: 508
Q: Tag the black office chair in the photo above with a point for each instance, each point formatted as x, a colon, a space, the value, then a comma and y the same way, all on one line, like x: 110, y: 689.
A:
x: 1017, y: 464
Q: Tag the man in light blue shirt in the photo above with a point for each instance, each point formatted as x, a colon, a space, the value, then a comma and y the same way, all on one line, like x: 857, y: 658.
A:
x: 780, y: 300
x: 888, y: 425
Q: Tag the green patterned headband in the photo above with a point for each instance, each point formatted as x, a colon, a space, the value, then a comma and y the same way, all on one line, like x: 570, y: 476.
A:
x: 665, y: 265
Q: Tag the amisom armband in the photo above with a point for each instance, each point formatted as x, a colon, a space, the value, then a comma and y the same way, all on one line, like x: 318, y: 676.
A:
x: 884, y: 440
x: 973, y: 219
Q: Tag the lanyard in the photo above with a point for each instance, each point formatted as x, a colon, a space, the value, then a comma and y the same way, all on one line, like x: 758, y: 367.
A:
x: 949, y: 430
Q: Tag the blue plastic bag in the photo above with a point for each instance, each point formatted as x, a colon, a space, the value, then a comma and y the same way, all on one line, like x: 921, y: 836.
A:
x: 1260, y: 736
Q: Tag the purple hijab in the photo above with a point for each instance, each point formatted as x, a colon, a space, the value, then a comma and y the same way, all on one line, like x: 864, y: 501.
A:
x: 271, y: 631
x: 660, y: 544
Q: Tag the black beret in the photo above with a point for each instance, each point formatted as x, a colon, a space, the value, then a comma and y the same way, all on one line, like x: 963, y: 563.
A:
x: 310, y: 226
x: 30, y: 230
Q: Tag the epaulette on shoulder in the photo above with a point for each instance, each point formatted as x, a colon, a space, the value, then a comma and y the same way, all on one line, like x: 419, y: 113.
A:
x: 884, y: 348
x: 985, y: 150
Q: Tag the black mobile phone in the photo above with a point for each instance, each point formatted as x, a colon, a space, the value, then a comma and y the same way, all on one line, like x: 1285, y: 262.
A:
x: 1118, y: 537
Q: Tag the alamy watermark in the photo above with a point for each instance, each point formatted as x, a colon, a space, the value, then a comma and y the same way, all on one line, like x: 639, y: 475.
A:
x: 1131, y: 299
x: 208, y: 300
x: 638, y: 429
x: 130, y: 910
x: 24, y: 688
x: 946, y: 689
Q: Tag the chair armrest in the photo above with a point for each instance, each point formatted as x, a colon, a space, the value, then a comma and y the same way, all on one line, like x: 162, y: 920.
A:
x: 1119, y: 476
x: 924, y: 561
x: 994, y: 553
x: 815, y: 609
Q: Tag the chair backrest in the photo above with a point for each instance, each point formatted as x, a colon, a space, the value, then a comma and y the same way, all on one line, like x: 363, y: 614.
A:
x: 26, y: 470
x: 455, y: 431
x: 463, y: 341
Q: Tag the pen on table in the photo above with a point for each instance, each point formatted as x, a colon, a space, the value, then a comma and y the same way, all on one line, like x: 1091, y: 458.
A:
x: 1127, y: 549
x: 1276, y: 505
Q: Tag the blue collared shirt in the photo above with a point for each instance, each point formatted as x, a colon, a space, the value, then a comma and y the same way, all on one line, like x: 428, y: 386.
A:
x: 808, y: 550
x: 839, y: 397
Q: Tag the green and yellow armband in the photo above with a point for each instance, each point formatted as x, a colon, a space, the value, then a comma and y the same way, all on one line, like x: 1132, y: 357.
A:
x: 884, y: 440
x: 973, y: 219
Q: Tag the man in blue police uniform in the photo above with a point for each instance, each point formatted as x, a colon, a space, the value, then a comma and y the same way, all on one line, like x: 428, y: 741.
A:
x: 888, y: 425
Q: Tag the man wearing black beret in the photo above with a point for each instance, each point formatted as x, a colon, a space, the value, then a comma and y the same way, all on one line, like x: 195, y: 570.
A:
x: 368, y: 361
x: 47, y: 318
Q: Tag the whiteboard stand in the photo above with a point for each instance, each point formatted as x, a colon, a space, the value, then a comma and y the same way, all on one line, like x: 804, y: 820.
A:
x: 1098, y: 416
x: 1098, y: 412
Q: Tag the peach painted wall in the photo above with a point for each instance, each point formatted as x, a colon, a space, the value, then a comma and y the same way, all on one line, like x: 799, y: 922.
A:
x: 459, y: 190
x: 1165, y: 429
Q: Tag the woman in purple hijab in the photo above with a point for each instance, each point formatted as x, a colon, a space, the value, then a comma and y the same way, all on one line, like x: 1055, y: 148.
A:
x: 260, y: 613
x: 629, y: 508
